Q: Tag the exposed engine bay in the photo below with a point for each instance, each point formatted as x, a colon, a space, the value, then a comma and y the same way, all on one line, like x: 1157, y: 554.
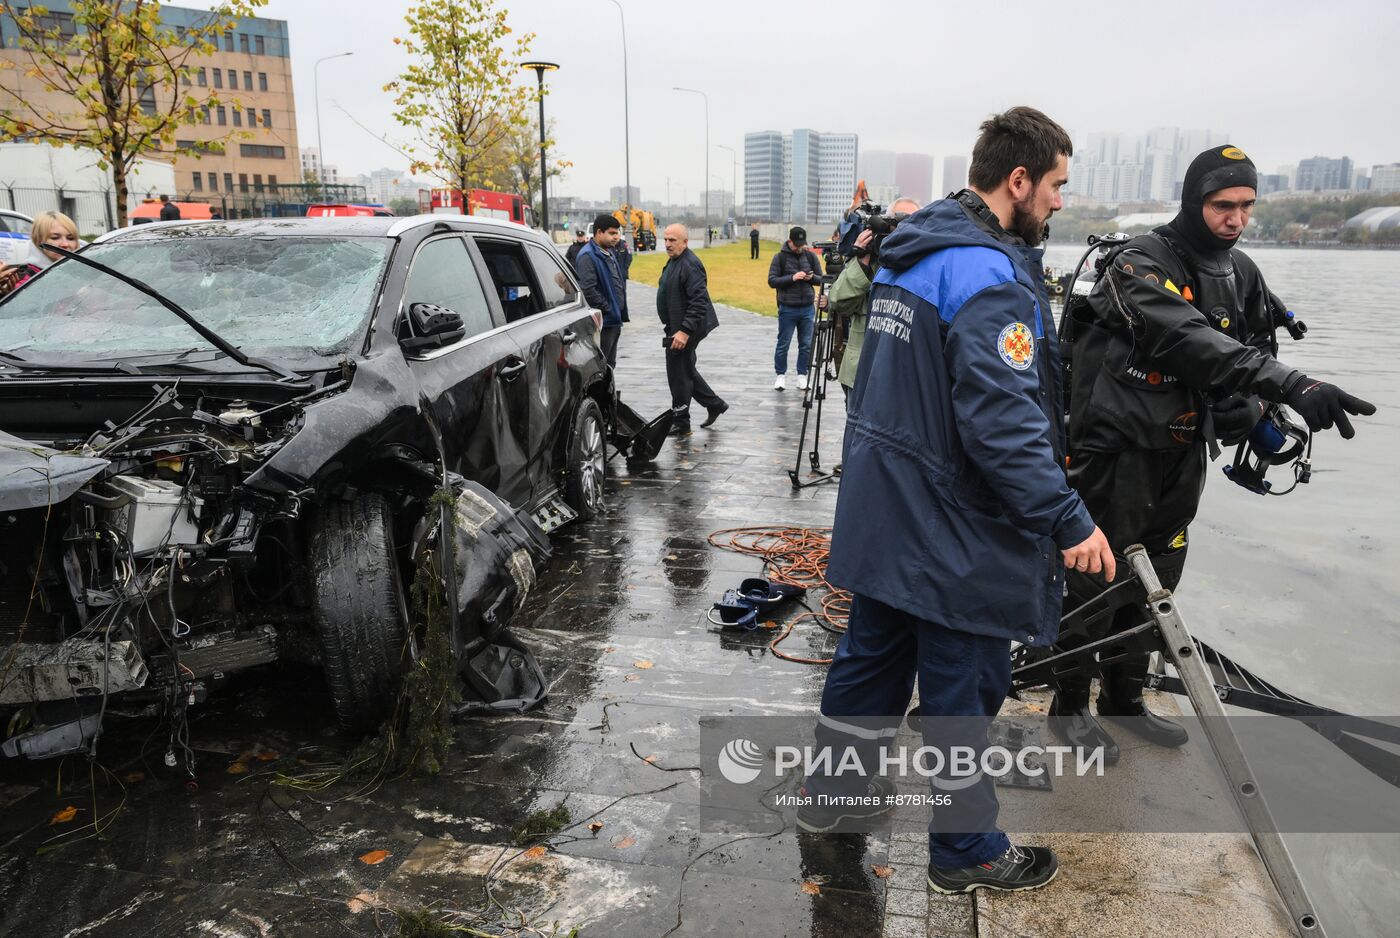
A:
x: 142, y: 546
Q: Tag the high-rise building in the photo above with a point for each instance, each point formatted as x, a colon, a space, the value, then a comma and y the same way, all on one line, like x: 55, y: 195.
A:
x: 1385, y: 177
x: 1129, y: 186
x: 954, y: 174
x: 805, y: 176
x: 1272, y: 182
x: 251, y: 73
x: 877, y: 168
x: 764, y: 175
x: 1321, y: 174
x: 617, y: 195
x: 1361, y: 181
x: 913, y: 173
x: 311, y: 168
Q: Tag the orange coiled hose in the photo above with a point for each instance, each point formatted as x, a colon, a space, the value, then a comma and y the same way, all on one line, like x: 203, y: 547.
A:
x: 796, y: 556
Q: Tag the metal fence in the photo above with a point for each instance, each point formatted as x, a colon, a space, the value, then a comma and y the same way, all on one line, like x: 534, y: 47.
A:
x: 95, y: 211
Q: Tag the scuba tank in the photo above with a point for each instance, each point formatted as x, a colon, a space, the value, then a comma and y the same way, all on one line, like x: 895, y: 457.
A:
x: 1076, y: 309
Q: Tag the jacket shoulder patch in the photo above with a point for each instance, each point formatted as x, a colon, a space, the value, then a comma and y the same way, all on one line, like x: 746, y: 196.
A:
x: 1016, y: 345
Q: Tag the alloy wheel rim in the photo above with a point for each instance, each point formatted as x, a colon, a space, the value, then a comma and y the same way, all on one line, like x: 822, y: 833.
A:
x: 591, y: 465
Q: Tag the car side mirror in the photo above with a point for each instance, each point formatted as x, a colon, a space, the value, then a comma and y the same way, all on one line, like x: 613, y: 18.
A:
x: 429, y: 326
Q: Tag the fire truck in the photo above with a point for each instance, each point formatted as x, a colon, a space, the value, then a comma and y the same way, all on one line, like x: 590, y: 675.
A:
x: 482, y: 203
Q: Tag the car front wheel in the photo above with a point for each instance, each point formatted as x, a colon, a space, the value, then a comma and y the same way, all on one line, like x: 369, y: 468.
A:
x: 360, y: 607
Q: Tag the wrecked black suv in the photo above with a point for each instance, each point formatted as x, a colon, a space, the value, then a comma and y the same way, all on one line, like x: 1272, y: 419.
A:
x: 210, y: 429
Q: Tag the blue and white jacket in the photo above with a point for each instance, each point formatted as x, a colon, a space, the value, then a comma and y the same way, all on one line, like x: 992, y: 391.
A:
x: 603, y: 283
x: 954, y: 503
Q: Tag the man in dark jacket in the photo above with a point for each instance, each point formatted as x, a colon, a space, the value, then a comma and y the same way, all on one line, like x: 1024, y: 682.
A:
x: 169, y: 211
x: 603, y: 284
x: 571, y: 255
x: 955, y: 518
x: 1173, y: 350
x: 683, y: 304
x: 753, y: 243
x: 792, y: 272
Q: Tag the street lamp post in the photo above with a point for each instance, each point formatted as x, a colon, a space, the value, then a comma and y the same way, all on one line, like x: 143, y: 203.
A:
x: 539, y: 69
x: 316, y: 85
x: 733, y: 179
x: 626, y: 129
x: 707, y: 157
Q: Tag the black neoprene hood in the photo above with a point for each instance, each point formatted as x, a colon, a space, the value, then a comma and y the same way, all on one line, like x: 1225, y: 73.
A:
x: 1218, y: 168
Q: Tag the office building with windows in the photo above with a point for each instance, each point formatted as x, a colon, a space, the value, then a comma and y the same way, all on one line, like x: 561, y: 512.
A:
x: 255, y: 118
x: 805, y: 177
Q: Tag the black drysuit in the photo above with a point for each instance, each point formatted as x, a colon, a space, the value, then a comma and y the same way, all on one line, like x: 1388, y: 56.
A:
x: 1177, y: 321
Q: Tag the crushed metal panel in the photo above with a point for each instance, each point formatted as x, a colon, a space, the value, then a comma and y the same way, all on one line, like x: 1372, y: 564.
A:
x: 33, y: 476
x: 72, y: 668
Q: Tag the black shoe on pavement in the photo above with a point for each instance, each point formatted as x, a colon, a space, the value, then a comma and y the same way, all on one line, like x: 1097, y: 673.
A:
x: 679, y: 429
x: 1071, y: 720
x: 1016, y: 869
x: 1120, y: 700
x: 824, y: 818
x: 712, y: 414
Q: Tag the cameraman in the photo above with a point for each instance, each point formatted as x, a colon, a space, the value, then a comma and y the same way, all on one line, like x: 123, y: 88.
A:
x: 850, y: 294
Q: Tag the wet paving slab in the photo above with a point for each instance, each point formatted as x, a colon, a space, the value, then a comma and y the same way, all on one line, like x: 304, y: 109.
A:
x: 619, y: 623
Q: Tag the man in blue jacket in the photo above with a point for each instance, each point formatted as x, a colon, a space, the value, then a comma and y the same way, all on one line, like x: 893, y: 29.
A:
x: 955, y: 518
x: 602, y: 280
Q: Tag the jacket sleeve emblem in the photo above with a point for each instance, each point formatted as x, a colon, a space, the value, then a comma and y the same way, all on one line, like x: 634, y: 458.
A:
x: 1017, y: 346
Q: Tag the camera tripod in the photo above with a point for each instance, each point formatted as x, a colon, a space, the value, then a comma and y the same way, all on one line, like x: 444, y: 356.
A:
x: 820, y: 372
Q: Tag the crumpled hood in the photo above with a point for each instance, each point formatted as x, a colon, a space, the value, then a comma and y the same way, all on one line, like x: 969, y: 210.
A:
x: 942, y: 224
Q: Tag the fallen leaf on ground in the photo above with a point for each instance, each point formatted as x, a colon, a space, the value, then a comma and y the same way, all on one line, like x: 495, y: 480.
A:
x: 132, y: 778
x: 811, y: 888
x: 269, y: 756
x: 64, y: 816
x: 375, y: 857
x: 883, y: 872
x: 672, y: 557
x: 633, y: 677
x: 642, y: 663
x: 610, y: 649
x: 770, y: 624
x: 365, y: 900
x: 650, y: 759
x: 238, y: 768
x: 535, y: 852
x: 624, y: 843
x: 596, y: 826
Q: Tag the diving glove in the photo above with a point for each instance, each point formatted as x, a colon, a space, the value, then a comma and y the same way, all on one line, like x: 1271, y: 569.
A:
x: 1322, y: 405
x: 1235, y: 416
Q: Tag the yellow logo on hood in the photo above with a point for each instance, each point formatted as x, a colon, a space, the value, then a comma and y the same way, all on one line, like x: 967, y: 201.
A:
x: 1233, y: 153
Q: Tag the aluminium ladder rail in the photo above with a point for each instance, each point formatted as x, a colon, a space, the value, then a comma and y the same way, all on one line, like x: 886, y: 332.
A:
x: 1201, y: 689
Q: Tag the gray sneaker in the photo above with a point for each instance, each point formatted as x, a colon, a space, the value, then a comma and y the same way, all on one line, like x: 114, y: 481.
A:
x: 822, y: 819
x: 1016, y: 869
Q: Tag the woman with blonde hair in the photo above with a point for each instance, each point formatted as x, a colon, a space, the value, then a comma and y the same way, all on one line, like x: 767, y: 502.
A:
x: 53, y: 228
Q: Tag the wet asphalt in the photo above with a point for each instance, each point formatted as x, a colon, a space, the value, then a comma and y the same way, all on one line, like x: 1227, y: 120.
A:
x: 618, y: 621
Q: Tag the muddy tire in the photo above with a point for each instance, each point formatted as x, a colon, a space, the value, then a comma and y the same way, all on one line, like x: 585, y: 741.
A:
x: 588, y: 460
x: 359, y: 607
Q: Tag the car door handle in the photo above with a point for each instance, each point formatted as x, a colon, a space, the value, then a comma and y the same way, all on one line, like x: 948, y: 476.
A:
x: 511, y: 371
x: 569, y: 335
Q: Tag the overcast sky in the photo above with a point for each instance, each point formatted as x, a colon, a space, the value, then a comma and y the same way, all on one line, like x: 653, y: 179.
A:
x: 1287, y: 79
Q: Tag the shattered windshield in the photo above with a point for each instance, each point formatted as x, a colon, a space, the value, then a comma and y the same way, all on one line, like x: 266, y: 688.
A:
x: 297, y: 296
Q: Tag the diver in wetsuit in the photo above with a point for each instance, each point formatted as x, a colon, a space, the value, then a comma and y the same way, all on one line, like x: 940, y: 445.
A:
x: 1174, y: 348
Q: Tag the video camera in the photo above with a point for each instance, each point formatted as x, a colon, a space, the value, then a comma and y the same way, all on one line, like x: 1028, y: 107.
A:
x: 866, y: 215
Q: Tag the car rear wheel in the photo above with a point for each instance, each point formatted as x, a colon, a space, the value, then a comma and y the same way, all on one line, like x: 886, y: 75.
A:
x: 583, y: 489
x: 361, y: 612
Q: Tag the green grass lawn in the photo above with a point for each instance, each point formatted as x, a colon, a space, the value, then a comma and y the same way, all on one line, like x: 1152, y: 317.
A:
x: 735, y: 280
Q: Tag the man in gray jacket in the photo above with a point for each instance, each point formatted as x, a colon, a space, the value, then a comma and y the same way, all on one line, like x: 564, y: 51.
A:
x: 792, y: 272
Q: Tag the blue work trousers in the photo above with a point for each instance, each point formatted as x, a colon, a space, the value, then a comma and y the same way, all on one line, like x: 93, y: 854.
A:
x: 803, y: 319
x: 960, y: 675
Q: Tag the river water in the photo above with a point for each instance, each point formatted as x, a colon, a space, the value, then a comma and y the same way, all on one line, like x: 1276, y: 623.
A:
x: 1304, y: 590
